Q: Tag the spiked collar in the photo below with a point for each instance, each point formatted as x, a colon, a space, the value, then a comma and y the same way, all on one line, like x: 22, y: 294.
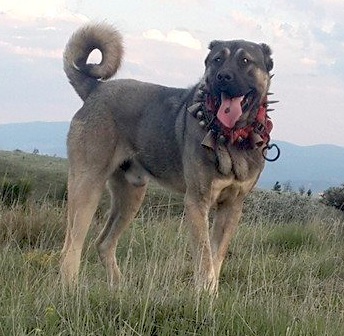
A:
x: 252, y: 131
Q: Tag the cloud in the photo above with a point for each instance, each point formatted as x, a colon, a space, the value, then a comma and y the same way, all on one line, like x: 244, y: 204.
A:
x: 33, y: 8
x: 36, y: 29
x: 31, y: 52
x: 308, y: 61
x: 180, y: 37
x: 48, y: 9
x: 163, y: 63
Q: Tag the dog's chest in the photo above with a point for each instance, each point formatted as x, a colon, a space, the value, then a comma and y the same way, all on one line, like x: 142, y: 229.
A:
x: 243, y: 164
x: 224, y: 189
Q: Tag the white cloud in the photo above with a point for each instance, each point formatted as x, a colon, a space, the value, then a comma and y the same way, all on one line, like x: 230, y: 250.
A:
x: 48, y: 9
x: 33, y: 8
x: 37, y: 28
x: 240, y: 19
x: 163, y: 63
x: 327, y: 26
x: 30, y: 51
x: 308, y: 61
x: 180, y: 37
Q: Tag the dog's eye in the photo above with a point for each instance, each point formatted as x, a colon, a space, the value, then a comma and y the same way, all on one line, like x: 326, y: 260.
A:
x: 245, y: 61
x: 217, y: 59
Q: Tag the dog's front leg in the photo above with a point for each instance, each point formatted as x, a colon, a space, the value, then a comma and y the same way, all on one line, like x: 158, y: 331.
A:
x: 197, y: 212
x: 228, y: 214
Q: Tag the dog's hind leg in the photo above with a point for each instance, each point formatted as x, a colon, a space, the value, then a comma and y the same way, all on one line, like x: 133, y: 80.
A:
x: 126, y: 199
x: 84, y: 192
x: 92, y: 145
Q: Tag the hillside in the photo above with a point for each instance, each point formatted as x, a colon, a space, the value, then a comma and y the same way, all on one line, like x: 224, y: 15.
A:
x: 48, y: 175
x: 315, y: 167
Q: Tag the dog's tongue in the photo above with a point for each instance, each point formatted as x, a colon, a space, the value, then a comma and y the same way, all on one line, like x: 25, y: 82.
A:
x: 230, y: 110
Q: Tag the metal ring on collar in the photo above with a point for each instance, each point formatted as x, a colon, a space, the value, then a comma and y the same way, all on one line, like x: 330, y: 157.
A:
x: 269, y: 147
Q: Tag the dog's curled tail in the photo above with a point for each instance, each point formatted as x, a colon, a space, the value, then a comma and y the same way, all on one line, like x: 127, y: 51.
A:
x: 85, y: 77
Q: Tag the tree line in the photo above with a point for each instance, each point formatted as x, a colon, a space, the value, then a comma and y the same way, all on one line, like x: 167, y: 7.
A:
x: 333, y: 196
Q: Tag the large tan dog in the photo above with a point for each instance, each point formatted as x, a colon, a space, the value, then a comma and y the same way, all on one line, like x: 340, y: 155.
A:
x: 207, y: 142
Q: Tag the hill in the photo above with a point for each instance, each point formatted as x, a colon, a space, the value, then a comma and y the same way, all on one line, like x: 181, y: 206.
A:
x: 48, y: 175
x: 316, y: 167
x: 48, y: 137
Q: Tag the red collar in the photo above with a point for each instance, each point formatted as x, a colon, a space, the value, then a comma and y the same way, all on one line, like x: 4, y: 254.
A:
x: 250, y: 134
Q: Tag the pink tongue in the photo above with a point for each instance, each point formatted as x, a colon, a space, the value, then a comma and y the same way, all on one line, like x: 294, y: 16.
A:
x: 230, y: 110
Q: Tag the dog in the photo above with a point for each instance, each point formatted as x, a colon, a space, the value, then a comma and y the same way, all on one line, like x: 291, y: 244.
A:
x: 207, y: 142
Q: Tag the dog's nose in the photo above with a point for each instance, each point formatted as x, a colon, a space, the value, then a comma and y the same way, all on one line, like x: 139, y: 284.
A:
x: 224, y: 77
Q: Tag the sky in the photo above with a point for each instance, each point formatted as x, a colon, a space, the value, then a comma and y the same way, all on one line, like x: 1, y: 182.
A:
x: 166, y: 42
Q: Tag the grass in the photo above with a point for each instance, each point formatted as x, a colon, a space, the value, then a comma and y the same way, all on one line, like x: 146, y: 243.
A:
x: 284, y: 274
x: 284, y: 279
x: 47, y: 174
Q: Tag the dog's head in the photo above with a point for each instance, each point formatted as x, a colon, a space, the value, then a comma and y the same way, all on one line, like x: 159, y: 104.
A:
x: 237, y: 75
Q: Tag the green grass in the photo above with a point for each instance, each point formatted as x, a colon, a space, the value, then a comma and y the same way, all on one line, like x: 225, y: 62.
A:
x: 284, y: 274
x: 47, y: 174
x: 285, y: 279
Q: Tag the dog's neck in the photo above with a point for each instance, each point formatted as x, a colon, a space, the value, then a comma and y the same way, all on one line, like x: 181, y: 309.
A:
x: 250, y: 131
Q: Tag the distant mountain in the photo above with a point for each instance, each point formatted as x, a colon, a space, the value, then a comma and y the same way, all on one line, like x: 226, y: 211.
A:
x: 313, y: 167
x: 47, y: 137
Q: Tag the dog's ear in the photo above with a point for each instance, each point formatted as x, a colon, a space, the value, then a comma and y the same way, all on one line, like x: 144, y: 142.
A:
x: 269, y: 63
x: 214, y: 43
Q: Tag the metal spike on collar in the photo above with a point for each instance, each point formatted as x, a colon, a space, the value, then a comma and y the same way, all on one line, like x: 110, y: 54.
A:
x: 193, y: 109
x: 222, y: 139
x: 269, y: 93
x: 200, y: 115
x: 272, y: 101
x: 200, y: 94
x: 202, y: 85
x: 202, y: 123
x: 270, y: 110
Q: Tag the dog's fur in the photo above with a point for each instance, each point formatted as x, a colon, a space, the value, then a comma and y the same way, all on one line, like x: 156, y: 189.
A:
x: 129, y: 131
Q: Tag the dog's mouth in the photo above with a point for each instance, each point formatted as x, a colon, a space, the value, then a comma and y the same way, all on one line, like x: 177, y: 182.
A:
x: 232, y: 108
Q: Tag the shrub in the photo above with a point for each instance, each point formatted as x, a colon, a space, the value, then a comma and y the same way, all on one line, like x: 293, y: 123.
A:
x: 35, y: 225
x: 269, y: 206
x: 13, y: 193
x: 334, y: 196
x: 62, y: 194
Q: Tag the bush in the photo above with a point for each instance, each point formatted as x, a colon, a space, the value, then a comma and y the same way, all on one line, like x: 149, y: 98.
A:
x: 285, y: 207
x: 35, y: 225
x: 14, y: 193
x: 334, y: 196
